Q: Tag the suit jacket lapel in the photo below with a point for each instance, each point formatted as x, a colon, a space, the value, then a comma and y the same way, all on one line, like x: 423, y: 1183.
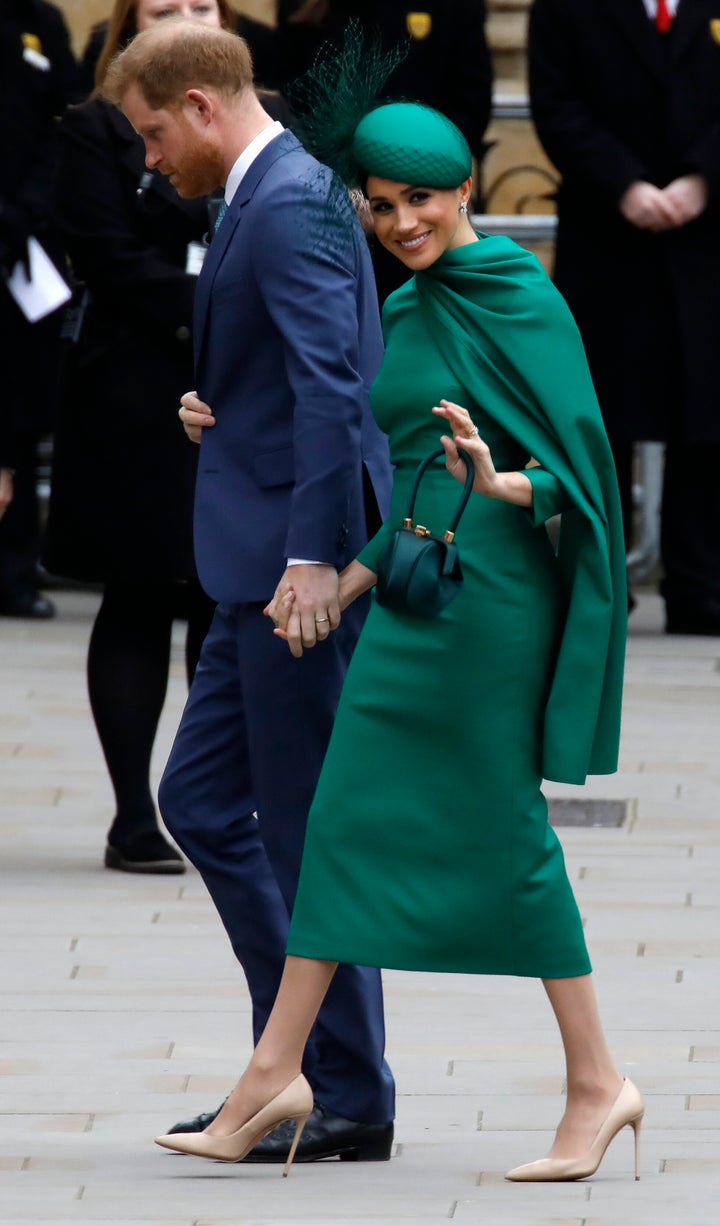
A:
x: 632, y: 17
x: 692, y: 19
x: 282, y: 144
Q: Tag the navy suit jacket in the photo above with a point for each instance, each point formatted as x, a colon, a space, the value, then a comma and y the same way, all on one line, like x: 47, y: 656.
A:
x: 287, y: 341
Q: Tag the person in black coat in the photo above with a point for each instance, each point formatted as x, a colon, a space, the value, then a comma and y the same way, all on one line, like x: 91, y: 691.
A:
x: 448, y: 64
x: 630, y: 115
x: 120, y: 511
x: 38, y: 78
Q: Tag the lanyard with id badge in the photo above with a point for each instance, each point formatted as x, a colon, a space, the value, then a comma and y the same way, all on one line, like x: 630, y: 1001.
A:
x: 196, y: 251
x: 196, y: 248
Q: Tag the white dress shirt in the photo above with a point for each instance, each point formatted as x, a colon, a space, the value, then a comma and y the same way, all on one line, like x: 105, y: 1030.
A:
x: 242, y: 165
x: 651, y: 8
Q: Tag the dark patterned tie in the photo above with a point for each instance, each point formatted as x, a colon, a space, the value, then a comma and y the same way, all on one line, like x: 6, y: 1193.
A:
x: 223, y: 210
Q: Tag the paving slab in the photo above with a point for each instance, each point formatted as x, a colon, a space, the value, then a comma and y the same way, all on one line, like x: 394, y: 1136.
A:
x: 122, y: 1009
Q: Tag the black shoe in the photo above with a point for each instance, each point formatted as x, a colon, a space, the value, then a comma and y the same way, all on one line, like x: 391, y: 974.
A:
x: 703, y: 618
x: 146, y: 853
x: 326, y: 1135
x: 26, y: 602
x: 198, y: 1123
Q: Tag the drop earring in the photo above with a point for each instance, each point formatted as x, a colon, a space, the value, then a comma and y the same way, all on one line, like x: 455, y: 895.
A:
x: 463, y: 207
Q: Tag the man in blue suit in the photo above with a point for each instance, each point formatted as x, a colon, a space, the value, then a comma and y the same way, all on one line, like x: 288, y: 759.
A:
x: 293, y: 471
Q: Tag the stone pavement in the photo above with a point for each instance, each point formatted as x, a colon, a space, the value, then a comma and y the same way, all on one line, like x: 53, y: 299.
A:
x: 123, y: 1009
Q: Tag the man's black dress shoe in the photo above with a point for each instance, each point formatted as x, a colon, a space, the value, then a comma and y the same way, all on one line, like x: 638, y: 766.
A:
x: 146, y: 853
x: 26, y: 602
x: 326, y: 1135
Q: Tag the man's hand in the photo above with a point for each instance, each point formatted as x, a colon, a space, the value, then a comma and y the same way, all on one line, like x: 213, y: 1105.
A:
x: 195, y: 416
x: 6, y: 490
x: 648, y: 208
x: 312, y: 611
x: 688, y: 196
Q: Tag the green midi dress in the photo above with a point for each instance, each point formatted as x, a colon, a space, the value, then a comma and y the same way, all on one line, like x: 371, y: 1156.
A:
x: 428, y: 845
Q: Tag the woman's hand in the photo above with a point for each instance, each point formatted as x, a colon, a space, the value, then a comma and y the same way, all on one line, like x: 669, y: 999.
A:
x: 466, y: 436
x: 352, y: 582
x: 508, y: 487
x: 195, y: 415
x: 305, y: 606
x: 280, y: 608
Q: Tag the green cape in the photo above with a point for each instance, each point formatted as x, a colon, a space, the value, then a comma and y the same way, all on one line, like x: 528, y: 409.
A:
x: 510, y: 339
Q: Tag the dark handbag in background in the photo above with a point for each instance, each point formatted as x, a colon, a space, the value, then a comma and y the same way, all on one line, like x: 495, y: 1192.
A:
x: 418, y: 572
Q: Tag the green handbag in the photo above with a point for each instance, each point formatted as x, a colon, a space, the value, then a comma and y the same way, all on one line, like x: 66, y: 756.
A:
x: 418, y: 572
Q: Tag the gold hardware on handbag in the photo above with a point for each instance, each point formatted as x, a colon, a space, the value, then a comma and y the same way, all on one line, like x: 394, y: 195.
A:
x: 418, y: 572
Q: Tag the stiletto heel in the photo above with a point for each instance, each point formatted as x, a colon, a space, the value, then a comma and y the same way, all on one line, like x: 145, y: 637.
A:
x: 636, y: 1126
x: 295, y: 1102
x: 300, y: 1123
x: 627, y: 1109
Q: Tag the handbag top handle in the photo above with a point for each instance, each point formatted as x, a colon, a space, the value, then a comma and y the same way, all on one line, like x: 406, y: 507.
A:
x: 449, y: 534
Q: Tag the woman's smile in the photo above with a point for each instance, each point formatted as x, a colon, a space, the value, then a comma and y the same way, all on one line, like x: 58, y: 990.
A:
x: 410, y: 244
x: 418, y: 224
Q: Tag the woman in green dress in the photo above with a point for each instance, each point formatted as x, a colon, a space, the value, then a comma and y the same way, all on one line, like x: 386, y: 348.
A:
x: 428, y: 844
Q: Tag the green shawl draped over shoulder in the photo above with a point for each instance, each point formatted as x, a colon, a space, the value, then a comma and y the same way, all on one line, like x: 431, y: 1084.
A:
x: 510, y: 339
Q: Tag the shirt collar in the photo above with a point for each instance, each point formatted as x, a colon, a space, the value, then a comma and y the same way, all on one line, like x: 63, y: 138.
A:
x: 241, y: 166
x: 651, y: 8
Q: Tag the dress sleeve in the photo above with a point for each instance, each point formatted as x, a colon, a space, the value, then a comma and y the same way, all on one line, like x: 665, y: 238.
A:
x: 371, y: 552
x: 549, y: 495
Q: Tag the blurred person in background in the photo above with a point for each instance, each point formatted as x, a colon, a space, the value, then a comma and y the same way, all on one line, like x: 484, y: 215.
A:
x: 38, y: 78
x: 260, y: 38
x: 626, y: 100
x: 121, y: 514
x: 447, y: 66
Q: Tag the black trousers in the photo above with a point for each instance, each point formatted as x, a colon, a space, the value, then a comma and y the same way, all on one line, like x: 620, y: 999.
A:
x: 690, y: 535
x: 690, y: 521
x: 20, y: 525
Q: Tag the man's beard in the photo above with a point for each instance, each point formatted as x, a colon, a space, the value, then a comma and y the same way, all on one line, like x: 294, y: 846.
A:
x: 201, y: 167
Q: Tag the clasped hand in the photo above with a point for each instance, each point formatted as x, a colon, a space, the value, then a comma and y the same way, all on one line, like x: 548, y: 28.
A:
x: 658, y: 209
x: 305, y: 607
x: 308, y: 600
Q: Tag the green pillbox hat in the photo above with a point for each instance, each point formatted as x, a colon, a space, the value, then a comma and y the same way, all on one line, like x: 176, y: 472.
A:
x: 411, y: 143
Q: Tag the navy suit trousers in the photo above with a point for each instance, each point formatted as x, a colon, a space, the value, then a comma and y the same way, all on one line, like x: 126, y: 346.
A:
x: 235, y: 795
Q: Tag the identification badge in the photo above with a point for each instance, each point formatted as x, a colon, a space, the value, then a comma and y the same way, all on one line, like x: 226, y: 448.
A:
x: 33, y: 53
x: 37, y: 59
x: 194, y: 259
x: 418, y: 25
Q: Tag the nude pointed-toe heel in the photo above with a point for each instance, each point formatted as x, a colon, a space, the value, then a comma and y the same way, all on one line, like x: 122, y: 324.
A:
x: 627, y: 1109
x: 295, y: 1102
